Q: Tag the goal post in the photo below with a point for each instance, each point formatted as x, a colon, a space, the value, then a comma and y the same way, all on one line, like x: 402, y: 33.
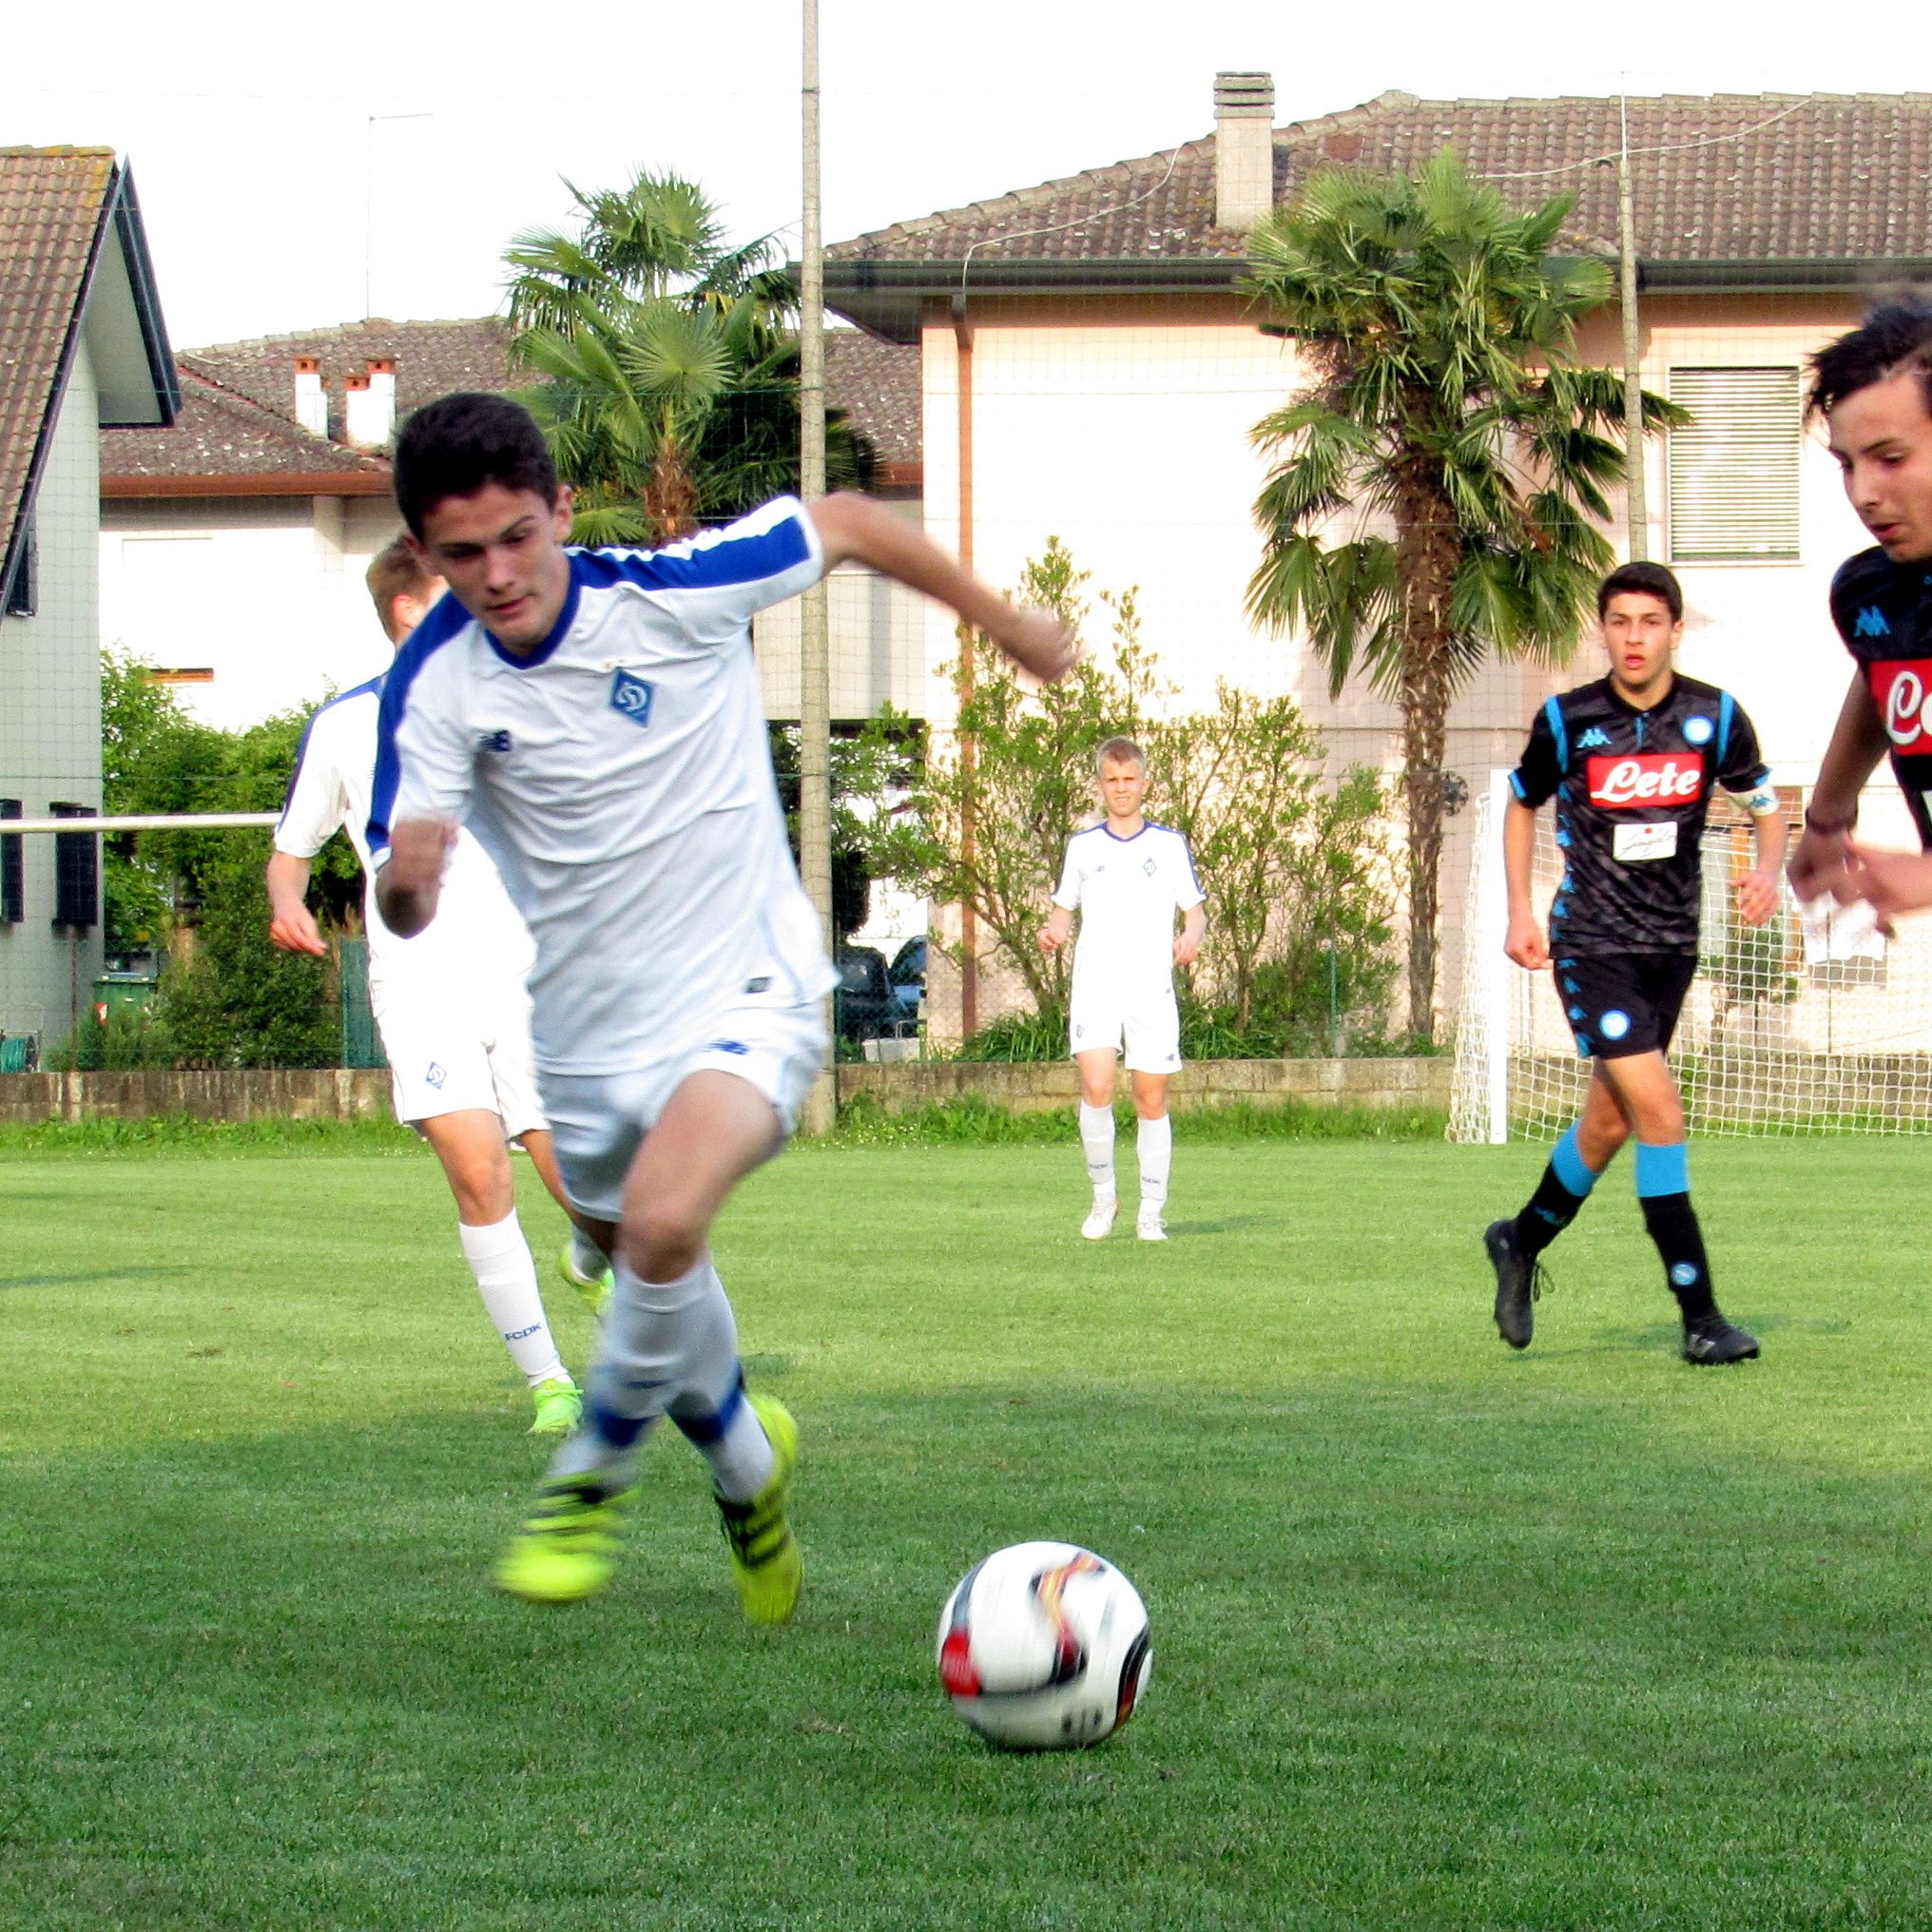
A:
x: 1806, y: 1025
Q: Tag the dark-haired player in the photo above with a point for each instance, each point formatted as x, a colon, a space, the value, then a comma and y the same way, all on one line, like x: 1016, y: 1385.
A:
x: 1631, y: 762
x: 1873, y: 387
x: 595, y: 717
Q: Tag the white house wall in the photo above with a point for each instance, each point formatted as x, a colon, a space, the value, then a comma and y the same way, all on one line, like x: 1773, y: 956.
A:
x: 266, y: 593
x: 50, y: 720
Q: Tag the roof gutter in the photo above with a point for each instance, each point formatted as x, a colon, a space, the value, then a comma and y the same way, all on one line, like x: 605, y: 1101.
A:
x: 252, y: 483
x: 885, y: 297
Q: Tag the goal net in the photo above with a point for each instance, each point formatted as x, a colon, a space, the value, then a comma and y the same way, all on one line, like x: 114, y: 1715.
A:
x: 1804, y: 1025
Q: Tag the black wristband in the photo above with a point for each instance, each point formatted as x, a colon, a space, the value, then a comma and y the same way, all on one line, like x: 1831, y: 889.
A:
x: 1830, y: 828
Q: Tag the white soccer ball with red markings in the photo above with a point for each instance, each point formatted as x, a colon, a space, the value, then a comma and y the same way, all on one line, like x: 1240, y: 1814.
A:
x: 1044, y: 1646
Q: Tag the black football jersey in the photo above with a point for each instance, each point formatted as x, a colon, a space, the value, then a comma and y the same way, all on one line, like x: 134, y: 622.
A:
x: 1884, y: 613
x: 1631, y: 790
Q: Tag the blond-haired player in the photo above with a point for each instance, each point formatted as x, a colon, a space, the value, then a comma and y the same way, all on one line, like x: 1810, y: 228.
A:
x: 1127, y: 877
x: 452, y: 1008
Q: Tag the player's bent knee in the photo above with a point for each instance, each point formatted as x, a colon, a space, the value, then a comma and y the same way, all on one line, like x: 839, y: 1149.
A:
x: 663, y: 1241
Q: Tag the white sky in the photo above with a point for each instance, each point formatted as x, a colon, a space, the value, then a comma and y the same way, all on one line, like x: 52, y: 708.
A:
x: 252, y: 141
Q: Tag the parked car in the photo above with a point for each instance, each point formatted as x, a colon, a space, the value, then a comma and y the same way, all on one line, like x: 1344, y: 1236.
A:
x: 864, y: 1004
x: 908, y: 975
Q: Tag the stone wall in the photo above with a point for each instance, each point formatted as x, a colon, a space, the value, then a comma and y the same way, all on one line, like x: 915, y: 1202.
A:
x: 1029, y: 1087
x: 341, y: 1095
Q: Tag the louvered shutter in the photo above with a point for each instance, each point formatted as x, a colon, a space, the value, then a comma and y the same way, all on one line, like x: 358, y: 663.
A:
x: 1734, y: 465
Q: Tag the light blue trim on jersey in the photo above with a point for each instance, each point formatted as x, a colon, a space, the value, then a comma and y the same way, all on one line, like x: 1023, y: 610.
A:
x: 1726, y: 709
x: 302, y: 750
x: 447, y: 621
x: 1662, y: 1170
x: 710, y: 566
x: 1552, y: 710
x: 1515, y: 784
x: 1568, y: 1164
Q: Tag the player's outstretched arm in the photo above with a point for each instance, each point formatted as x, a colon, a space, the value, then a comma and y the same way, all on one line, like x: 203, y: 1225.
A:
x: 1857, y: 742
x: 855, y: 528
x: 291, y: 925
x: 411, y: 881
x: 1524, y: 943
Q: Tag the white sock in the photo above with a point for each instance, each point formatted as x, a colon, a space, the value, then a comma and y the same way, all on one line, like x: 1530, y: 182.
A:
x: 1096, y: 1142
x: 505, y: 1278
x: 585, y: 1256
x: 1155, y: 1147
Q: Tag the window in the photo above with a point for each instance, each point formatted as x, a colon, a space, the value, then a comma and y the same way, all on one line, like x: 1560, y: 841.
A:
x: 1734, y: 465
x: 23, y: 587
x: 77, y: 871
x: 13, y: 856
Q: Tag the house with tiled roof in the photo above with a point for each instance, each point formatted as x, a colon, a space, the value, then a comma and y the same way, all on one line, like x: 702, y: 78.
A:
x: 82, y: 348
x: 233, y: 543
x: 1091, y: 370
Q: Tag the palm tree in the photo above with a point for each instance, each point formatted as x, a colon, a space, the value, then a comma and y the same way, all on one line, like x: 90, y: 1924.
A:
x: 1449, y: 425
x: 667, y: 364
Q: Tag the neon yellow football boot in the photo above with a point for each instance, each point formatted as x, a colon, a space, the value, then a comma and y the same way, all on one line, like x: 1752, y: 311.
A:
x: 766, y: 1563
x: 568, y: 1545
x: 559, y: 1408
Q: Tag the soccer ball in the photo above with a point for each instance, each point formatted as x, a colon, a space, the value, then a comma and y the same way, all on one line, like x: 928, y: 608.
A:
x: 1044, y: 1646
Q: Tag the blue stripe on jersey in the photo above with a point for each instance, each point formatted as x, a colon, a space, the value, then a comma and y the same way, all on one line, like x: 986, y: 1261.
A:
x: 1726, y: 704
x: 302, y: 750
x: 522, y: 660
x: 1517, y: 786
x: 449, y: 619
x: 708, y: 567
x: 1560, y: 732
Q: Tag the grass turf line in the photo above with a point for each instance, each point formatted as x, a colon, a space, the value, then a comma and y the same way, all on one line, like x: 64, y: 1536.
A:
x: 1444, y: 1635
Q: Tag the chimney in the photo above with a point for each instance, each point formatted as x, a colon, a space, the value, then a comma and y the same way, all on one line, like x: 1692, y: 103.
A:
x: 1244, y: 148
x: 382, y: 393
x: 311, y: 404
x: 369, y: 406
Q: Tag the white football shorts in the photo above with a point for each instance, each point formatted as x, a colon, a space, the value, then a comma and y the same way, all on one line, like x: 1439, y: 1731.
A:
x: 599, y: 1120
x: 1144, y: 1020
x: 451, y: 1054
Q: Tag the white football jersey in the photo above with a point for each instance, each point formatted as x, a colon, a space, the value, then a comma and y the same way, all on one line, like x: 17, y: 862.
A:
x: 476, y: 931
x: 1127, y: 892
x: 619, y: 776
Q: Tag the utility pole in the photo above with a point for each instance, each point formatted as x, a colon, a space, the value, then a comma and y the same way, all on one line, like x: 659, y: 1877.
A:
x: 815, y: 670
x: 1636, y: 518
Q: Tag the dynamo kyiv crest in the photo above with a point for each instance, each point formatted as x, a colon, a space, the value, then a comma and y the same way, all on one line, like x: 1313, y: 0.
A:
x: 631, y: 695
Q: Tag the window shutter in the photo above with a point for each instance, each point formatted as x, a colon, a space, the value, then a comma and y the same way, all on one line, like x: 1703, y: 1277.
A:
x: 1734, y: 465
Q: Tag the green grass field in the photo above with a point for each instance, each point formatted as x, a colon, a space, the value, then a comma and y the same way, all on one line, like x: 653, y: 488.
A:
x: 1443, y: 1637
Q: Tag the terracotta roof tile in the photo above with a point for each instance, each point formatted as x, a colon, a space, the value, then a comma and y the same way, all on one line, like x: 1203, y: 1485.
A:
x: 1744, y: 178
x: 238, y: 399
x: 51, y: 201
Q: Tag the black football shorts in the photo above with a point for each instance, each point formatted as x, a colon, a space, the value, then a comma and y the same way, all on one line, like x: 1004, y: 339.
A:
x: 1623, y: 1003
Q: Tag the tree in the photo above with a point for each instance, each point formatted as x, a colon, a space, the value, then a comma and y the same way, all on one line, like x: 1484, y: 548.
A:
x: 1449, y: 421
x: 669, y: 367
x: 1288, y: 857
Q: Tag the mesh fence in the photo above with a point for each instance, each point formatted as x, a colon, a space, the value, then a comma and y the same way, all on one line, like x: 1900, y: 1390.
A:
x: 1808, y: 1024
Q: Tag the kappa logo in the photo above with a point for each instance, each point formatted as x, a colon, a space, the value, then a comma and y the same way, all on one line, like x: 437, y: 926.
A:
x: 1871, y: 622
x: 1596, y: 738
x: 631, y: 695
x: 493, y: 741
x: 436, y: 1076
x: 737, y: 1046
